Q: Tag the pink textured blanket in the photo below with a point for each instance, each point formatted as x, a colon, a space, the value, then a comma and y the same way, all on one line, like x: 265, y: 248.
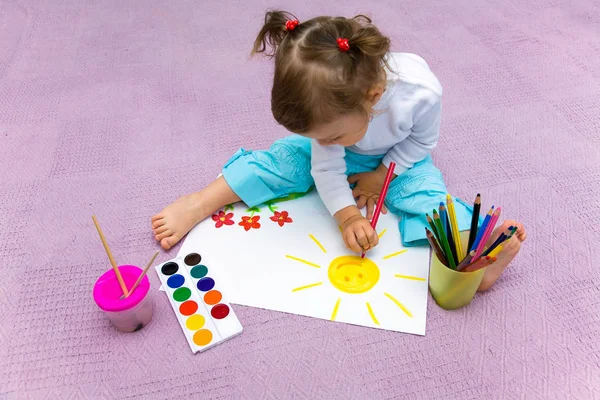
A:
x: 117, y: 107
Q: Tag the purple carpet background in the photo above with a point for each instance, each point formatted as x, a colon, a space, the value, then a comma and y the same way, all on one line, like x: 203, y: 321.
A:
x: 117, y: 107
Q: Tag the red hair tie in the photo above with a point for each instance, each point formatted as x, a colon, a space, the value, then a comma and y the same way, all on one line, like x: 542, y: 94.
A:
x: 343, y: 44
x: 291, y: 24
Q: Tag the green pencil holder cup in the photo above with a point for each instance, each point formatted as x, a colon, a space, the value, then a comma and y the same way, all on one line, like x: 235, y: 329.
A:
x: 449, y: 288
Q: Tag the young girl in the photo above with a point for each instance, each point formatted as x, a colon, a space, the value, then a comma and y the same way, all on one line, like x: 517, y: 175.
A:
x: 354, y: 107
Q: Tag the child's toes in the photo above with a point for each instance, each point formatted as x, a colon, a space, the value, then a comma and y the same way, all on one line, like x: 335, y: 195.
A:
x: 160, y: 230
x: 521, y: 233
x: 157, y: 216
x: 498, y: 231
x: 158, y: 222
x: 169, y: 242
x: 163, y: 235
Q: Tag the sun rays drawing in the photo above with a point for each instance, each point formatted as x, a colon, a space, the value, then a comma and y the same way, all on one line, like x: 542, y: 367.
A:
x: 353, y: 275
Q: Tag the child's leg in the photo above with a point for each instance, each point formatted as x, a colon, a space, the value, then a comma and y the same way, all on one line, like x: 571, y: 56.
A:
x: 416, y: 192
x: 421, y: 189
x: 252, y: 177
x: 259, y: 176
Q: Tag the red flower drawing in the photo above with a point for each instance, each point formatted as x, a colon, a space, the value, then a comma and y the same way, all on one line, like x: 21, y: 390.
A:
x: 250, y: 222
x: 281, y: 218
x: 222, y: 219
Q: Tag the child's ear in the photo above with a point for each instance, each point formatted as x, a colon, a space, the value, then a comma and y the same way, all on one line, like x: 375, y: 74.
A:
x: 374, y: 94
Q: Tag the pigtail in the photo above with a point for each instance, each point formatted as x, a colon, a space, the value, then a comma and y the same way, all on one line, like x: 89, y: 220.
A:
x: 273, y: 32
x: 368, y: 40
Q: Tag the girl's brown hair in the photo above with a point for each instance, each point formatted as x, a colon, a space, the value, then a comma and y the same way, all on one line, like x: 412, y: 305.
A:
x: 315, y: 82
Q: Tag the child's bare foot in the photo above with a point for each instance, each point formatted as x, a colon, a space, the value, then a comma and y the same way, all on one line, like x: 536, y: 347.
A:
x: 178, y: 218
x: 508, y: 253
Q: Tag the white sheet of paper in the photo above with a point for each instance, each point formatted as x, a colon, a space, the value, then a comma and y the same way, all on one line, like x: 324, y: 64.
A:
x: 257, y: 269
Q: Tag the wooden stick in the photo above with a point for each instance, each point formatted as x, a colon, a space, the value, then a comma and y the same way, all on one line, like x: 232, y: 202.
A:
x: 110, y: 257
x: 139, y: 279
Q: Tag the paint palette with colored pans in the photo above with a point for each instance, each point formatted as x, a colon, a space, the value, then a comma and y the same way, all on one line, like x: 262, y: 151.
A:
x: 202, y: 310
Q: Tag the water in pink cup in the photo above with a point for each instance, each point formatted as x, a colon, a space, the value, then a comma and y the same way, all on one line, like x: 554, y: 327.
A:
x: 127, y: 314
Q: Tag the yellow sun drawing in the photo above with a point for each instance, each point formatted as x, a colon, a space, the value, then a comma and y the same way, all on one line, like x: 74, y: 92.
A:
x: 354, y: 275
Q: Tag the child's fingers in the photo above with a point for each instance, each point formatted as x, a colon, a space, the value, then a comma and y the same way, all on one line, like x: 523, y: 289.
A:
x: 351, y: 243
x: 350, y: 239
x: 354, y: 178
x: 372, y: 236
x: 361, y: 202
x: 370, y: 207
x: 384, y: 209
x: 361, y: 238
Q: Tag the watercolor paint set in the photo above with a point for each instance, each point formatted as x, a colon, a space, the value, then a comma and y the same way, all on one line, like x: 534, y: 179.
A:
x: 202, y: 310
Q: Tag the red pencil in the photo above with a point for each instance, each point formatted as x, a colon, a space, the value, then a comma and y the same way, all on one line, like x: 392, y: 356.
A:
x: 480, y: 263
x: 379, y: 206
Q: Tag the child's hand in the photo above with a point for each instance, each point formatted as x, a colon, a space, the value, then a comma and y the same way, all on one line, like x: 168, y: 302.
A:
x: 368, y: 187
x: 357, y: 232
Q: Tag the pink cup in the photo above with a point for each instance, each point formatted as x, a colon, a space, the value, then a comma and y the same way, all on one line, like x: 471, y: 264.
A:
x: 127, y: 314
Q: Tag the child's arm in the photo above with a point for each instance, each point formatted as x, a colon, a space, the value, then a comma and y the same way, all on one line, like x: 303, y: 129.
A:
x: 426, y: 114
x: 329, y: 172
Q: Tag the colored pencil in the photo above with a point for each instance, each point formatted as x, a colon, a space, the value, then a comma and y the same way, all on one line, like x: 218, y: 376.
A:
x: 466, y: 261
x: 384, y: 189
x: 139, y: 279
x: 444, y: 240
x: 454, y: 224
x: 432, y: 225
x: 481, y: 263
x: 482, y: 228
x: 514, y: 230
x: 110, y: 256
x: 495, y: 252
x: 475, y: 265
x: 474, y: 221
x: 488, y: 232
x: 444, y: 218
x: 436, y: 247
x: 448, y: 231
x: 498, y: 241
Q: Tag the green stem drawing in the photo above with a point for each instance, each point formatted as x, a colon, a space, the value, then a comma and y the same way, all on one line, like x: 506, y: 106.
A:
x: 253, y: 210
x: 271, y: 203
x: 292, y: 196
x: 228, y: 207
